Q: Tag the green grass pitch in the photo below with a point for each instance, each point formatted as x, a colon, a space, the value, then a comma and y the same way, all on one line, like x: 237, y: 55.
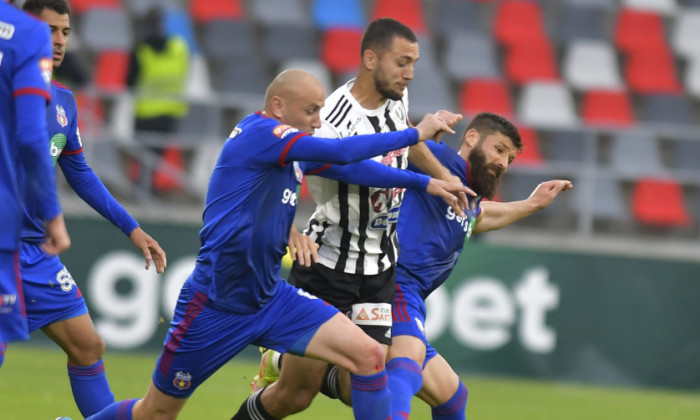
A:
x: 34, y: 386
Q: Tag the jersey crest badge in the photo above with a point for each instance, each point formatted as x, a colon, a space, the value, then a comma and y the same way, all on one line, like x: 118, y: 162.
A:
x: 61, y: 116
x: 182, y: 380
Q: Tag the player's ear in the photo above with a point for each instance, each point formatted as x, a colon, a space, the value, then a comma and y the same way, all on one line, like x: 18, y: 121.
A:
x: 370, y: 59
x: 471, y: 138
x: 276, y: 107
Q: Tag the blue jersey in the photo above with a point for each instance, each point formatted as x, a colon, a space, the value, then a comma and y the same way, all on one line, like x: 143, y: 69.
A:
x: 25, y: 69
x: 431, y: 236
x: 251, y: 202
x: 66, y: 148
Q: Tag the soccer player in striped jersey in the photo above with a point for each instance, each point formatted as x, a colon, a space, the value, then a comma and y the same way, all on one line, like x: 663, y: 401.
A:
x: 53, y: 300
x: 235, y: 297
x: 432, y: 237
x: 25, y: 168
x: 354, y: 225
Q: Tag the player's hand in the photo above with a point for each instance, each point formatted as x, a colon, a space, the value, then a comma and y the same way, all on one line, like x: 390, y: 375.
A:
x: 450, y: 118
x: 302, y: 248
x: 430, y: 126
x: 150, y: 249
x: 57, y: 239
x: 543, y: 195
x: 462, y: 196
x: 450, y: 192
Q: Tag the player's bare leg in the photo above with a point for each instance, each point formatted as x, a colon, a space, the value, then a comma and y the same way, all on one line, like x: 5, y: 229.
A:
x: 157, y: 406
x: 299, y: 382
x: 443, y: 390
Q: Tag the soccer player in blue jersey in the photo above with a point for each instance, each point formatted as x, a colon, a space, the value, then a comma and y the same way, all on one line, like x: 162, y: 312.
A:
x: 432, y: 237
x: 235, y: 296
x: 53, y: 301
x: 25, y: 168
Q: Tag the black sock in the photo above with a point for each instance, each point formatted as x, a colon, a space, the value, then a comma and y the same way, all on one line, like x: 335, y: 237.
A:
x: 331, y: 383
x: 252, y: 409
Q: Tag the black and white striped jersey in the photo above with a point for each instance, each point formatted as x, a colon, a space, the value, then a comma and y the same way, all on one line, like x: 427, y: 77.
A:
x: 356, y: 226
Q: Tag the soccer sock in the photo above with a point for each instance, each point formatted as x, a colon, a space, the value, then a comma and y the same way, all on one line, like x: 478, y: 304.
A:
x: 90, y: 388
x: 3, y: 347
x: 331, y: 386
x: 405, y: 380
x: 120, y: 410
x: 252, y: 409
x: 455, y: 408
x: 371, y: 398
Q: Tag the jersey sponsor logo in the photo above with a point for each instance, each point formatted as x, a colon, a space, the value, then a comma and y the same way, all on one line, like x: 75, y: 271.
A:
x: 377, y: 314
x: 183, y: 380
x: 58, y: 142
x: 7, y: 30
x: 467, y: 222
x: 61, y: 116
x: 390, y: 157
x: 7, y: 302
x: 289, y: 197
x: 382, y: 222
x: 381, y: 199
x: 46, y: 68
x: 65, y: 280
x: 283, y: 130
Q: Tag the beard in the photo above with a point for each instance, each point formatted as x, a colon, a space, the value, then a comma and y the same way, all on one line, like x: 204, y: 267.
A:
x: 483, y: 182
x: 382, y: 86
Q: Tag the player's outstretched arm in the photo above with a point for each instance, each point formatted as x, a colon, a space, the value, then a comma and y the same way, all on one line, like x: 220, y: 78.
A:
x: 150, y: 248
x: 302, y: 248
x: 495, y: 215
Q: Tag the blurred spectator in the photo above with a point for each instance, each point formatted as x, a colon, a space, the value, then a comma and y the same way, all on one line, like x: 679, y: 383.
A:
x: 158, y: 72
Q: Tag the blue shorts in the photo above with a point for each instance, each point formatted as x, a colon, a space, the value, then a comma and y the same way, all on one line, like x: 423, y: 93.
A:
x: 50, y: 293
x: 13, y: 319
x: 202, y: 337
x: 408, y: 314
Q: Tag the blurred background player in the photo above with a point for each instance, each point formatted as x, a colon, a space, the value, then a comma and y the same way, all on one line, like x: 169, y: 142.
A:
x: 25, y: 171
x: 432, y: 237
x: 235, y: 297
x: 53, y: 301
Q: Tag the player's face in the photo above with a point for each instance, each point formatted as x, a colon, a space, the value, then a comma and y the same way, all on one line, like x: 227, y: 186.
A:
x: 60, y: 30
x: 302, y: 111
x: 395, y: 68
x: 488, y: 161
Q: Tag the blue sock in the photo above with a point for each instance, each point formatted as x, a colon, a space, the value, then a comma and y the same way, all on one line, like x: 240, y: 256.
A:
x: 3, y: 347
x: 455, y: 408
x: 120, y: 410
x: 370, y: 396
x: 90, y: 388
x: 405, y: 380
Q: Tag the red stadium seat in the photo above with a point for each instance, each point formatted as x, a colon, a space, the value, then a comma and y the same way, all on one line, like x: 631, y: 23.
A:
x: 635, y: 30
x: 519, y: 22
x: 207, y: 10
x: 531, y: 155
x: 652, y: 71
x: 340, y: 49
x: 491, y: 95
x: 528, y: 62
x: 607, y: 107
x: 408, y: 12
x: 111, y: 70
x: 163, y: 180
x: 90, y: 113
x: 658, y: 202
x: 82, y: 6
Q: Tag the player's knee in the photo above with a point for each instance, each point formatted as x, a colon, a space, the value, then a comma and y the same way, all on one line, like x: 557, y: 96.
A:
x: 88, y: 352
x: 370, y: 359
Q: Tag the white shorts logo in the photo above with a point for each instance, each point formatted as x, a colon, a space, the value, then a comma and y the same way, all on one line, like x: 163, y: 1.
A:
x: 377, y: 314
x: 65, y: 280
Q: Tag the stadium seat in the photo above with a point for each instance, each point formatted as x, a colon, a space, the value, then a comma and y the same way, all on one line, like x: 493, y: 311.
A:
x: 639, y: 30
x: 530, y: 62
x: 106, y: 29
x: 607, y: 108
x: 659, y: 202
x: 547, y: 104
x: 519, y: 22
x: 568, y: 146
x: 664, y: 7
x: 668, y: 109
x: 283, y: 41
x: 111, y: 70
x: 218, y: 36
x: 179, y: 23
x: 596, y: 4
x: 692, y: 77
x: 684, y: 154
x: 456, y: 17
x: 605, y: 200
x: 470, y: 55
x: 408, y: 12
x: 578, y: 22
x: 244, y: 77
x: 340, y: 49
x: 432, y: 92
x: 338, y: 14
x: 138, y: 8
x: 313, y: 66
x: 276, y: 12
x: 589, y: 64
x: 652, y: 71
x: 635, y: 152
x: 164, y: 180
x: 492, y: 95
x: 686, y: 32
x: 207, y: 10
x: 91, y: 116
x: 531, y: 155
x: 201, y: 121
x: 82, y: 6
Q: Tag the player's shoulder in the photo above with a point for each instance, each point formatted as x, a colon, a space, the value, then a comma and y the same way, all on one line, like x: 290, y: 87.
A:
x: 15, y: 23
x: 58, y: 88
x: 259, y: 124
